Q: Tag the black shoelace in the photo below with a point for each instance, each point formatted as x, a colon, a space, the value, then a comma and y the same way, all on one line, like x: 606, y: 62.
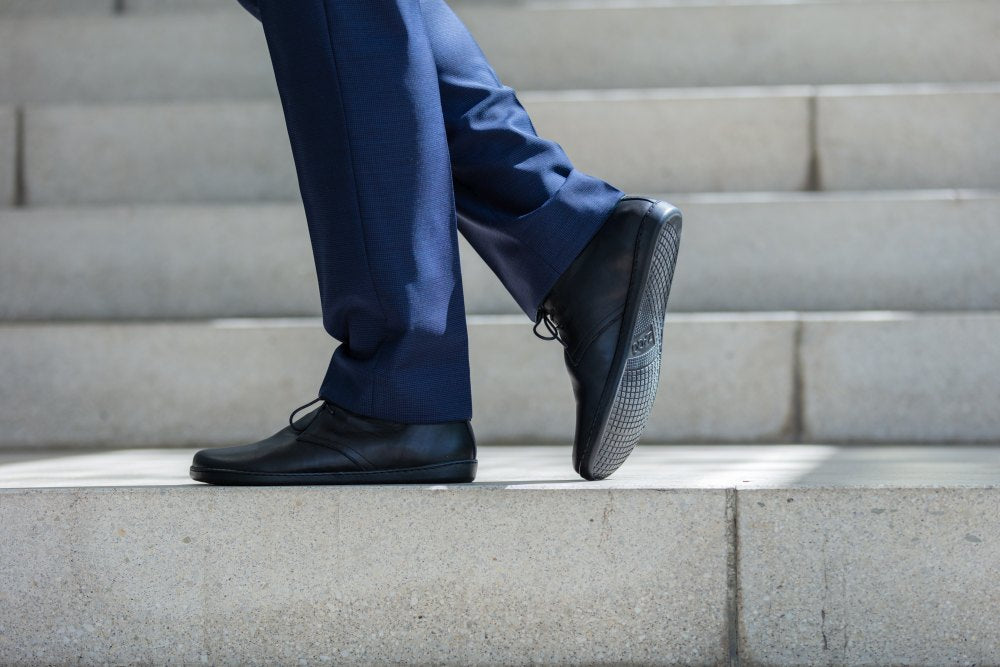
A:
x: 543, y: 317
x: 291, y: 417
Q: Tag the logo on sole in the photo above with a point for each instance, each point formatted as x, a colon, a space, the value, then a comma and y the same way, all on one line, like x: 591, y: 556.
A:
x: 644, y: 341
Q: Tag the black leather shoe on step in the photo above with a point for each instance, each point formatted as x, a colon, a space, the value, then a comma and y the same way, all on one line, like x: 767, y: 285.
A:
x: 607, y: 310
x: 332, y: 445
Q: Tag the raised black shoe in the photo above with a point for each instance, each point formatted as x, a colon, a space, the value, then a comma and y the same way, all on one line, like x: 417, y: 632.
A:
x: 607, y: 309
x: 332, y: 445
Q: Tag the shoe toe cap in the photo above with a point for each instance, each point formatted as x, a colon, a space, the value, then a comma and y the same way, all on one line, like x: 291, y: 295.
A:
x: 218, y: 457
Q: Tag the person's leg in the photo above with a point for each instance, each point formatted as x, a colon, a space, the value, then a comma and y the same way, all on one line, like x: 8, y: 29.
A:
x: 521, y: 204
x: 358, y: 86
x: 594, y: 266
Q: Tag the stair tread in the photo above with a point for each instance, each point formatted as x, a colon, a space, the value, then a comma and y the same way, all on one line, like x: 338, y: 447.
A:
x: 538, y: 467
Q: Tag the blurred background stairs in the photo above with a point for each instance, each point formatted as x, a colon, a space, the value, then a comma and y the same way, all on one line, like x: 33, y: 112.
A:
x: 838, y: 164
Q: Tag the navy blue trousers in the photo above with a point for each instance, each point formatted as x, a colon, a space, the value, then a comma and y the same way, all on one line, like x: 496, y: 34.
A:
x: 403, y: 135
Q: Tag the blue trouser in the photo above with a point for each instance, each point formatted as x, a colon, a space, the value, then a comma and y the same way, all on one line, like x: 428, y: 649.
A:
x: 402, y: 134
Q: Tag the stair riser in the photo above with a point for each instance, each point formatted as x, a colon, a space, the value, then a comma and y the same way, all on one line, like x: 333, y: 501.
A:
x: 869, y: 576
x: 21, y: 8
x: 846, y: 253
x: 273, y: 576
x: 667, y: 141
x: 198, y: 56
x: 493, y: 575
x: 842, y: 378
x: 199, y: 384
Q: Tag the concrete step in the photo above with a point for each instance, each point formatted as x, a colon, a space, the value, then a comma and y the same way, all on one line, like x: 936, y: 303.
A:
x: 919, y: 250
x: 794, y: 555
x: 759, y: 377
x: 199, y: 56
x: 20, y: 8
x: 223, y: 381
x: 681, y: 140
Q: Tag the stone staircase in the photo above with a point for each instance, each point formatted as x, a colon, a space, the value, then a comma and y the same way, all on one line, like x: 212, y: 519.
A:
x: 838, y: 164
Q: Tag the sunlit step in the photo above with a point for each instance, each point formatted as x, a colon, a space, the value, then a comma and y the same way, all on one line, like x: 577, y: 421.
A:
x: 687, y: 555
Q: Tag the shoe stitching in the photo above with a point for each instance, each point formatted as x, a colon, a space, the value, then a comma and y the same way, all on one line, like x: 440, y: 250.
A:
x: 580, y: 349
x: 337, y: 448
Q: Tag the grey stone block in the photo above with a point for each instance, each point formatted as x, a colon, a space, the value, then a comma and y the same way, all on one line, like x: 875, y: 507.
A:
x: 373, y: 575
x: 10, y: 8
x: 176, y: 261
x: 923, y: 250
x: 682, y: 141
x: 169, y: 6
x: 218, y: 55
x: 8, y: 154
x: 219, y: 382
x: 921, y: 137
x: 899, y: 377
x: 869, y: 576
x: 158, y: 153
x: 179, y: 54
x: 239, y: 151
x: 156, y: 262
x: 794, y: 555
x: 847, y: 251
x: 638, y: 45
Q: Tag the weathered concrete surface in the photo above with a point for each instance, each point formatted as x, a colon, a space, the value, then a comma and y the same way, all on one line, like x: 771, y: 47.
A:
x: 11, y: 8
x: 167, y: 58
x: 922, y: 250
x: 682, y: 140
x: 227, y: 152
x: 844, y: 555
x: 183, y: 55
x: 901, y: 377
x: 717, y: 44
x: 919, y: 250
x: 362, y: 575
x: 176, y: 383
x: 849, y: 576
x: 735, y: 139
x: 886, y: 137
x: 154, y: 262
x: 156, y: 153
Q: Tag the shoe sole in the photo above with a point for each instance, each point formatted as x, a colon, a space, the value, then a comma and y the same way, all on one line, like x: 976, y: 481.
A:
x: 456, y: 472
x: 635, y: 376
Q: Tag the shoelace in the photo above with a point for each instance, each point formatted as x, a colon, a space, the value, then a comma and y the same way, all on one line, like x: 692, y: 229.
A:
x: 542, y: 317
x: 291, y: 417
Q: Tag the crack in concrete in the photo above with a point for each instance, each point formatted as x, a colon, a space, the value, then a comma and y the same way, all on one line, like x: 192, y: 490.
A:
x: 20, y: 186
x: 732, y: 581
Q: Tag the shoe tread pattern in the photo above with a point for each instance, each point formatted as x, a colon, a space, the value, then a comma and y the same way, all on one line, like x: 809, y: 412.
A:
x: 636, y: 391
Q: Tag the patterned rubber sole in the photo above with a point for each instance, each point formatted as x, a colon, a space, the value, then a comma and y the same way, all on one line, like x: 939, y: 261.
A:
x: 636, y: 391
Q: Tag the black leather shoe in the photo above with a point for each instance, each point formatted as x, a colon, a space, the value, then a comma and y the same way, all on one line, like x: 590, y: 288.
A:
x: 607, y: 310
x: 331, y: 445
